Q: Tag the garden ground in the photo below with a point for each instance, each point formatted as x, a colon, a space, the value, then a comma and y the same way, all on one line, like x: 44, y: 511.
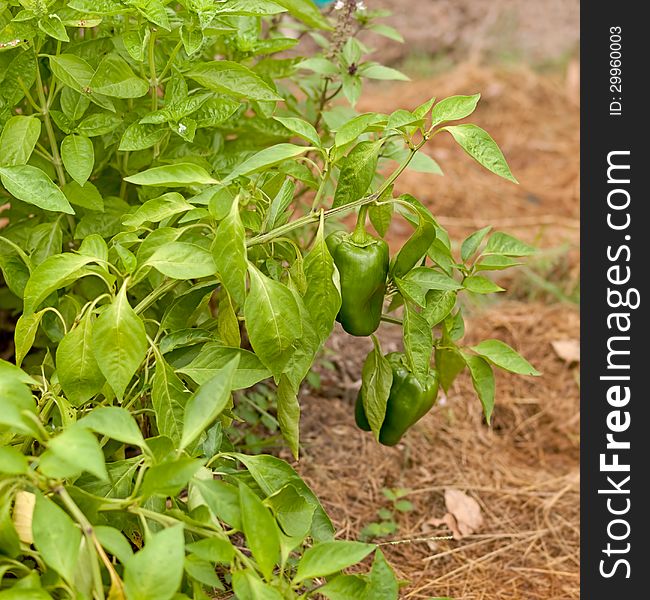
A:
x: 524, y: 470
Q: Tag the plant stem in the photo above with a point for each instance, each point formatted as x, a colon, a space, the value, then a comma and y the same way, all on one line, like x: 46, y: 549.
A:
x: 152, y: 71
x: 314, y: 217
x: 392, y: 320
x: 321, y: 187
x: 359, y: 235
x: 45, y: 111
x: 89, y: 534
x: 157, y: 293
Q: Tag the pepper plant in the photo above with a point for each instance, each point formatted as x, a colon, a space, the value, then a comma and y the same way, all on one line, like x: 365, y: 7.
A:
x: 170, y: 172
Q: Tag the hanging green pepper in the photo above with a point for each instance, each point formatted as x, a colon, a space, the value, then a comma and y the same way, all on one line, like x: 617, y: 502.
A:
x: 362, y: 262
x: 408, y: 401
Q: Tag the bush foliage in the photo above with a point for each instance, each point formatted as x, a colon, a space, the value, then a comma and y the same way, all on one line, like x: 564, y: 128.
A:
x: 171, y: 170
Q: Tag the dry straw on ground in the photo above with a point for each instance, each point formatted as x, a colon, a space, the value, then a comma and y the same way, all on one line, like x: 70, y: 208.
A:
x: 523, y: 471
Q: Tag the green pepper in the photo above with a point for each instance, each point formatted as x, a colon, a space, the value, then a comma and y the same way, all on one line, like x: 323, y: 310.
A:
x: 407, y: 403
x: 362, y: 261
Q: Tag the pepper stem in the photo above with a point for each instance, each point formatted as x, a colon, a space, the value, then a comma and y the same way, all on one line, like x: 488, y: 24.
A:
x: 360, y: 235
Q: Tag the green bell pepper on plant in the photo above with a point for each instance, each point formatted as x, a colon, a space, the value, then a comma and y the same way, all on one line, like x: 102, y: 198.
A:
x: 362, y: 261
x: 407, y: 403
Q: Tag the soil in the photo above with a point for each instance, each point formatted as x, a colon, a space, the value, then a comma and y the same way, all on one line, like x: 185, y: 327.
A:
x: 537, y: 32
x: 524, y: 469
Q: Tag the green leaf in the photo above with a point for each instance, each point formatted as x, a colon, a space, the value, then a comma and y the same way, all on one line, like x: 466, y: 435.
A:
x: 272, y: 474
x: 169, y: 398
x: 502, y: 243
x: 438, y: 305
x: 229, y: 254
x: 503, y: 356
x: 381, y: 217
x: 306, y: 11
x: 482, y: 148
x: 202, y: 572
x: 154, y: 11
x: 376, y: 381
x: 56, y: 537
x: 266, y: 158
x: 54, y: 272
x: 33, y: 186
x: 481, y: 285
x: 140, y: 137
x: 18, y: 139
x: 483, y: 382
x: 54, y: 27
x: 423, y: 163
x: 73, y: 104
x: 454, y: 326
x: 213, y: 549
x: 170, y: 477
x: 449, y: 364
x: 386, y: 31
x: 119, y: 342
x: 158, y: 209
x: 227, y: 322
x: 192, y: 39
x: 454, y: 108
x: 383, y: 584
x: 357, y: 172
x: 301, y: 128
x: 86, y: 196
x: 78, y: 157
x: 78, y: 371
x: 276, y: 214
x: 232, y: 78
x: 495, y: 262
x: 272, y: 320
x: 472, y: 242
x: 213, y: 358
x: 15, y: 399
x: 430, y: 279
x: 156, y: 571
x: 99, y: 124
x: 207, y: 403
x: 176, y: 175
x: 72, y: 71
x: 401, y: 118
x: 289, y: 414
x: 248, y: 586
x: 46, y: 240
x: 376, y: 71
x: 12, y: 462
x: 322, y: 297
x: 344, y: 587
x: 114, y: 542
x: 76, y: 448
x: 330, y: 557
x: 24, y: 334
x: 182, y: 260
x: 351, y: 129
x: 418, y: 342
x: 292, y: 511
x: 24, y: 593
x: 221, y: 498
x: 261, y: 531
x: 115, y: 78
x: 114, y: 422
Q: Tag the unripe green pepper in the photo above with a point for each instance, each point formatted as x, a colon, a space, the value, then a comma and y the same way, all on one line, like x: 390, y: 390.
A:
x: 408, y: 401
x: 362, y: 261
